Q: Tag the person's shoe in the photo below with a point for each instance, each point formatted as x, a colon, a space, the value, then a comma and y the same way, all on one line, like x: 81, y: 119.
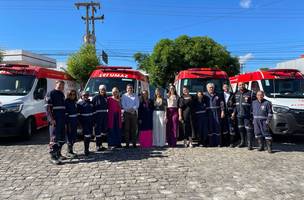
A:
x: 100, y: 148
x: 61, y: 157
x: 269, y: 146
x: 70, y: 153
x: 190, y: 145
x: 185, y: 144
x: 54, y: 160
x: 261, y: 144
x: 231, y: 146
x: 127, y: 145
x: 241, y: 145
x: 134, y: 146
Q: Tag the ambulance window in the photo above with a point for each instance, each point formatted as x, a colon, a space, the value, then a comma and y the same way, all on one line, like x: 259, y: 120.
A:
x: 255, y: 86
x: 41, y: 87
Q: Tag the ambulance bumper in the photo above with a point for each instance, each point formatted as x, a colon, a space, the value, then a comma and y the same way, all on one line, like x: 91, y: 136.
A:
x: 11, y: 124
x: 291, y: 122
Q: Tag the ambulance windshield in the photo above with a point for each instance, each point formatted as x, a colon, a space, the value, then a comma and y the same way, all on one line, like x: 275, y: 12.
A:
x: 94, y: 83
x: 284, y: 88
x: 199, y: 84
x: 16, y: 84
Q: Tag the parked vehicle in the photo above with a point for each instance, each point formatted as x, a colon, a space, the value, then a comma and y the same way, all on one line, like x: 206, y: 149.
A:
x: 285, y: 89
x: 22, y: 92
x: 197, y: 78
x: 116, y: 77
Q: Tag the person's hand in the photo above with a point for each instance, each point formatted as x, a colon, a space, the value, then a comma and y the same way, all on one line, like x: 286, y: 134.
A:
x: 165, y: 120
x: 180, y: 118
x: 53, y: 122
x: 233, y: 116
x: 222, y: 115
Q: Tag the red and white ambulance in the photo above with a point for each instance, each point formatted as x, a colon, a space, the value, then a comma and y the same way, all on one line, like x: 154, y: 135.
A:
x: 22, y: 92
x: 116, y: 77
x: 285, y: 89
x: 196, y: 79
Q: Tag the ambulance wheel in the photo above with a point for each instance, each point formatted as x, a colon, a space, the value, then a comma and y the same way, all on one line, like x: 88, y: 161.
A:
x: 29, y: 128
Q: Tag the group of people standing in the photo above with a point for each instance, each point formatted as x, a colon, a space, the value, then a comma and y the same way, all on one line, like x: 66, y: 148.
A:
x: 215, y: 119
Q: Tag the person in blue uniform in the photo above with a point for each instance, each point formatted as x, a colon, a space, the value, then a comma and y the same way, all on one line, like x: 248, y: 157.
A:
x: 262, y: 115
x: 71, y: 121
x: 201, y: 120
x: 228, y: 124
x: 216, y: 108
x: 56, y: 116
x: 101, y: 115
x: 242, y: 111
x: 86, y: 111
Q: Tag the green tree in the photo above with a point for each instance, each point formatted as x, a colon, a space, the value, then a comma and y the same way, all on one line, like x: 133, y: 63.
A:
x: 171, y: 56
x: 81, y: 64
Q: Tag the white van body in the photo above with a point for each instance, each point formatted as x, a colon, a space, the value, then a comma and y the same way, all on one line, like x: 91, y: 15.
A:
x: 284, y: 88
x: 22, y: 92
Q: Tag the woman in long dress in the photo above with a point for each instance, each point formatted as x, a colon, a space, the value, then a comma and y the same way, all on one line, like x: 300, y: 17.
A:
x: 145, y: 119
x: 114, y: 119
x: 172, y: 116
x: 159, y: 120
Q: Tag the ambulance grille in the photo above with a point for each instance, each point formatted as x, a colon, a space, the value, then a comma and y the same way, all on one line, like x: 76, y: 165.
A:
x: 298, y: 115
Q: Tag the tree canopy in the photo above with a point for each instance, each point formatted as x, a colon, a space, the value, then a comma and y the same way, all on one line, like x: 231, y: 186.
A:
x: 171, y: 56
x: 82, y: 63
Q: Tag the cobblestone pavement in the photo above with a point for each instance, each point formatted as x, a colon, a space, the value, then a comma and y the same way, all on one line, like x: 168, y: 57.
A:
x: 179, y: 173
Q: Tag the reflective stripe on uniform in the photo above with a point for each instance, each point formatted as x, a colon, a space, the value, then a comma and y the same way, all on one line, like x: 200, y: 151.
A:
x: 202, y: 111
x: 98, y: 136
x: 86, y: 114
x: 213, y: 107
x: 248, y: 127
x: 100, y: 111
x: 87, y: 136
x: 75, y: 115
x: 58, y: 107
x: 259, y: 117
x: 246, y: 104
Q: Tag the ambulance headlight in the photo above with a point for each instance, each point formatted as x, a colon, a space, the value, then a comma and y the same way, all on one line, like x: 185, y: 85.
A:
x: 280, y: 109
x: 14, y: 107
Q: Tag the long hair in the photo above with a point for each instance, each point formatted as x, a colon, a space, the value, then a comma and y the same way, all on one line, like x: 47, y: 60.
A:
x: 169, y: 93
x: 141, y: 96
x: 69, y: 94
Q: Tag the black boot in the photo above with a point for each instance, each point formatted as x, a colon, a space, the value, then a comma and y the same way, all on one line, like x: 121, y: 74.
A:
x: 86, y: 146
x: 99, y: 146
x: 261, y: 144
x: 242, y: 143
x: 231, y: 140
x: 71, y: 153
x: 269, y: 146
x: 60, y: 156
x: 249, y: 142
x: 54, y: 159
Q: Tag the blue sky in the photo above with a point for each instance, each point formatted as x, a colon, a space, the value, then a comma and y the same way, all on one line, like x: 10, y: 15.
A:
x: 264, y: 31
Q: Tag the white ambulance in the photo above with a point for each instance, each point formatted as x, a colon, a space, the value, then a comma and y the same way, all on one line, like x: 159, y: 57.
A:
x: 285, y: 89
x: 22, y: 92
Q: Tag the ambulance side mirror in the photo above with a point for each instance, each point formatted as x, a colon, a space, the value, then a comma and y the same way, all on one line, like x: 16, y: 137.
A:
x: 39, y: 94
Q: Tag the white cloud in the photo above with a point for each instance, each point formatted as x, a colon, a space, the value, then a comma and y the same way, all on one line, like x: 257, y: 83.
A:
x: 245, y: 58
x: 245, y: 3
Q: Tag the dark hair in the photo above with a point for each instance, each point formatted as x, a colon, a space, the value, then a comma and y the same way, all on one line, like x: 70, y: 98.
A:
x: 60, y: 81
x: 185, y: 87
x: 175, y: 93
x: 142, y: 96
x: 70, y: 92
x: 129, y: 85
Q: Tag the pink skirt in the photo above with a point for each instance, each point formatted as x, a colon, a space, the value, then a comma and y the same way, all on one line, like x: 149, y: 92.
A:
x: 145, y: 138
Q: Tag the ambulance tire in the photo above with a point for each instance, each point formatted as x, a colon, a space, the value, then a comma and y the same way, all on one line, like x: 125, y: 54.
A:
x: 29, y: 128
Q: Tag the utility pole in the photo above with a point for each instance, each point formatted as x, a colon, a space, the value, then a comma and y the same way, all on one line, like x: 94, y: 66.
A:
x: 90, y: 37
